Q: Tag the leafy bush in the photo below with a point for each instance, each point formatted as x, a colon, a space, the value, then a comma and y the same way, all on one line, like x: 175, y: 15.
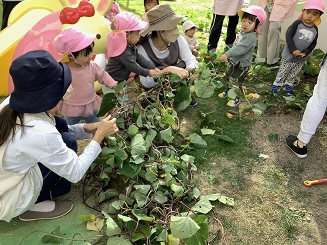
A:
x: 155, y: 200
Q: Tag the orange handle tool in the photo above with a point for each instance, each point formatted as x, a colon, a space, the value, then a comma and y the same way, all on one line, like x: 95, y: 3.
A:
x: 309, y: 183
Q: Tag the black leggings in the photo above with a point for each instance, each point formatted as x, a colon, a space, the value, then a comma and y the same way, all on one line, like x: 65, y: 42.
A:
x: 215, y: 30
x: 53, y: 184
x: 236, y: 72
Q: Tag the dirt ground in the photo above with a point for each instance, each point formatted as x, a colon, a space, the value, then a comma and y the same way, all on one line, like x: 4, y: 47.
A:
x: 297, y: 170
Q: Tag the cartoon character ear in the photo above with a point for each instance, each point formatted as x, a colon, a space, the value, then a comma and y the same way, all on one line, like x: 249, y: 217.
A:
x: 102, y: 6
x: 69, y: 3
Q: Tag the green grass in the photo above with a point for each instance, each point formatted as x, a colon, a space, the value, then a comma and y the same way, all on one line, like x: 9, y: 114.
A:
x: 1, y: 13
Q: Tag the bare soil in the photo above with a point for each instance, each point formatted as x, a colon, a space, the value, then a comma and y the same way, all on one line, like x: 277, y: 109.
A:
x: 312, y: 199
x: 260, y: 207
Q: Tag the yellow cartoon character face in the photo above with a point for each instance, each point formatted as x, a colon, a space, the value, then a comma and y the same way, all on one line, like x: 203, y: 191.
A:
x: 34, y: 24
x: 88, y: 20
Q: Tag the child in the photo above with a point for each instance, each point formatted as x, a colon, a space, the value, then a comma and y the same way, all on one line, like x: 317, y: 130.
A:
x: 149, y: 4
x: 84, y: 103
x: 189, y: 29
x: 113, y: 11
x: 301, y: 39
x: 239, y: 57
x: 122, y: 52
x: 313, y: 114
x: 269, y: 39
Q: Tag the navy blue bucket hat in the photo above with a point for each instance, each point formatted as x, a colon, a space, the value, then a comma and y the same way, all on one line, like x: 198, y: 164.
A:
x: 39, y: 82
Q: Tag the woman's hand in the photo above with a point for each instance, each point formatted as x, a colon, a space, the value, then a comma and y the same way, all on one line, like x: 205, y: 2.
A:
x: 192, y: 75
x: 106, y: 127
x: 154, y: 72
x: 182, y: 73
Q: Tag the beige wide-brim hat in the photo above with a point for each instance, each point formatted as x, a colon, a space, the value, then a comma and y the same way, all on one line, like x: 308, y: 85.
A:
x: 161, y: 18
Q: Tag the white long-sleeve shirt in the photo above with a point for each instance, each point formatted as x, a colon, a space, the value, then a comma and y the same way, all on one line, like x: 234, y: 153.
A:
x: 41, y: 142
x: 185, y: 54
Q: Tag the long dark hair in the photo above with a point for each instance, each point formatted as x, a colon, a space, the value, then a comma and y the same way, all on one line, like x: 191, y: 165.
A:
x: 8, y: 122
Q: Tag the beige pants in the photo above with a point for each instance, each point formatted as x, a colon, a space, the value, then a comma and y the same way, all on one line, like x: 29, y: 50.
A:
x: 269, y: 40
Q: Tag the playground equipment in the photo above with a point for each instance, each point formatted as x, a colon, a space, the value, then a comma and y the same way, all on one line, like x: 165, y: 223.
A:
x: 34, y: 24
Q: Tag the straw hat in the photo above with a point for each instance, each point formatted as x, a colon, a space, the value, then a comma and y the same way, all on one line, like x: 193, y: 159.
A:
x: 161, y: 18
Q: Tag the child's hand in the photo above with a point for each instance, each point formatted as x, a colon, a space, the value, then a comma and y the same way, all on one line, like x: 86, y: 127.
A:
x: 158, y: 72
x: 223, y: 57
x: 195, y: 52
x: 296, y: 53
x: 197, y: 47
x: 303, y: 54
x: 155, y: 72
x: 121, y: 92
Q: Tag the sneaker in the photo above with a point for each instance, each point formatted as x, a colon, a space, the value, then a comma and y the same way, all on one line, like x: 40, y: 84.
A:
x: 291, y: 142
x: 288, y: 90
x: 193, y: 102
x: 223, y: 94
x: 61, y: 208
x: 274, y: 89
x: 233, y: 103
x: 275, y: 65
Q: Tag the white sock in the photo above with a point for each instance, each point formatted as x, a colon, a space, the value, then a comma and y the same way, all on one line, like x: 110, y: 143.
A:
x: 45, y: 206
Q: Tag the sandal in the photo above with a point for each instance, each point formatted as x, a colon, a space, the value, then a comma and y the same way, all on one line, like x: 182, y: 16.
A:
x: 233, y: 103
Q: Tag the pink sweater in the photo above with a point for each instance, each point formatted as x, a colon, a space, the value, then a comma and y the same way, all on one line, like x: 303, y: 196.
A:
x: 83, y: 100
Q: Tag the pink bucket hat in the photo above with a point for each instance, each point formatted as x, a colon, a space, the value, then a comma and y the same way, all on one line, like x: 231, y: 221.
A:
x: 122, y: 23
x: 256, y: 11
x: 314, y: 4
x: 73, y: 40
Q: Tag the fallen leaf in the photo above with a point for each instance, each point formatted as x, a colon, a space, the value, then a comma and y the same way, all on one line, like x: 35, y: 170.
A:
x: 95, y: 225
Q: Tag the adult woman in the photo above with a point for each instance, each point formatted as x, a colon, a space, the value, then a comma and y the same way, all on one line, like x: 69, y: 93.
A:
x: 165, y: 47
x: 268, y: 41
x: 222, y: 8
x: 36, y: 164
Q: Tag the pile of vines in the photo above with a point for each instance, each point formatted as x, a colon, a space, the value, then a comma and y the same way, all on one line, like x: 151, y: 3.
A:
x: 142, y: 182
